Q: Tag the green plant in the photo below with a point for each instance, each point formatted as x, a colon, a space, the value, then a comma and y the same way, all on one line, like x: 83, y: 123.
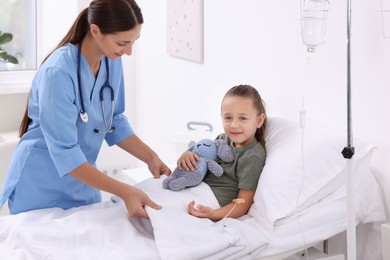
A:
x: 4, y: 56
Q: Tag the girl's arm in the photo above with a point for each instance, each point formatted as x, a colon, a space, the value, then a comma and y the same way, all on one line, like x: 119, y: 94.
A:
x: 240, y: 209
x: 140, y: 150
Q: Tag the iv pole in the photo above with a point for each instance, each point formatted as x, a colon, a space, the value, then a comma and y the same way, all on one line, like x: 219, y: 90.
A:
x: 349, y: 150
x: 348, y: 153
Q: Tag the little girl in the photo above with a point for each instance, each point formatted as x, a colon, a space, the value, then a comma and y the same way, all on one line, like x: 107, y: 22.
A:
x: 244, y: 120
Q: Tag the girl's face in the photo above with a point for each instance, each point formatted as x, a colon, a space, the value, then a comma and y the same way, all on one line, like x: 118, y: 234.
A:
x: 240, y: 119
x: 115, y: 45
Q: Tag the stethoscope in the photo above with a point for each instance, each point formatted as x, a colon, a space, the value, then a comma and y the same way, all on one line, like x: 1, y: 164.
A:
x: 83, y: 113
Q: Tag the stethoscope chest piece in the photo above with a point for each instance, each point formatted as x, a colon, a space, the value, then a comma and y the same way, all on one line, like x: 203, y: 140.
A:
x: 84, y: 116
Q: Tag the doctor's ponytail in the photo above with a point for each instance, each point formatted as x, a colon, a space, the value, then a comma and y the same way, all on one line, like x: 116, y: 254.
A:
x: 110, y: 16
x: 75, y: 34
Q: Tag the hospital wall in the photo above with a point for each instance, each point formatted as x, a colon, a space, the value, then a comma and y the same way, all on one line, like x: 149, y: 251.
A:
x: 245, y: 42
x: 259, y: 43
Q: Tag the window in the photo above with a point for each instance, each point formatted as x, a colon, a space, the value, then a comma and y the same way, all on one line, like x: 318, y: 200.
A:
x: 19, y: 17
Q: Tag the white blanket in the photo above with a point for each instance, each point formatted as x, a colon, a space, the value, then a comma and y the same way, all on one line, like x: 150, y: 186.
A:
x: 181, y: 236
x: 104, y: 231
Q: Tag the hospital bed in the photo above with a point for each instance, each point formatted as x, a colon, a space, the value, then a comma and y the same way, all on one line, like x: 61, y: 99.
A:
x: 300, y: 201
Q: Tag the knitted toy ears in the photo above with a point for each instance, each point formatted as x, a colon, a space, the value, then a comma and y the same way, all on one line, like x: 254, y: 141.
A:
x: 224, y: 151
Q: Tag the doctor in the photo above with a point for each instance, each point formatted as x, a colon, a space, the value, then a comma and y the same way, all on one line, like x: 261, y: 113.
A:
x: 76, y: 101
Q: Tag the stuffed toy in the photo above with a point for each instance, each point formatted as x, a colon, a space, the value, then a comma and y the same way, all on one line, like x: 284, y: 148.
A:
x: 208, y: 151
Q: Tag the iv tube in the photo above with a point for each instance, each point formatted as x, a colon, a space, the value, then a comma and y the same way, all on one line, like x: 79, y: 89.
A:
x: 314, y: 19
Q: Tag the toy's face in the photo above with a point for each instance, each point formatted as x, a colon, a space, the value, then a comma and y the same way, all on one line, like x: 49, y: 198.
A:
x: 206, y: 148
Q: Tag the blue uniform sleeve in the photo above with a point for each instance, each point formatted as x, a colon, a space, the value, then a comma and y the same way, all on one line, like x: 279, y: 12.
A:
x: 58, y: 115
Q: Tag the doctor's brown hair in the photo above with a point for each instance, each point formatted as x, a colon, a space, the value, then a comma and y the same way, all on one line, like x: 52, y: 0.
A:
x: 110, y: 16
x: 247, y: 91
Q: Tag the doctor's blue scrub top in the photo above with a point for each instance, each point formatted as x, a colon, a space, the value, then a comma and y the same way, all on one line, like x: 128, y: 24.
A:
x: 57, y: 140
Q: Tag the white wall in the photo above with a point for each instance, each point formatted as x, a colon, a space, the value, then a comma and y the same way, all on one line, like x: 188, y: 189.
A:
x: 258, y: 43
x: 253, y: 42
x: 54, y: 20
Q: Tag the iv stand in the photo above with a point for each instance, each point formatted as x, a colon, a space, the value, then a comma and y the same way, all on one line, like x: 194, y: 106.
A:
x: 348, y: 153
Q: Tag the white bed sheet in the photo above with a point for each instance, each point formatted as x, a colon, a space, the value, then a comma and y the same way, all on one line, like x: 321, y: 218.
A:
x: 99, y: 231
x: 179, y: 235
x: 103, y: 231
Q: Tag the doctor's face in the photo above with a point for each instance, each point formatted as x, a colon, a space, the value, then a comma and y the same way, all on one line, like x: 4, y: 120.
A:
x: 117, y: 44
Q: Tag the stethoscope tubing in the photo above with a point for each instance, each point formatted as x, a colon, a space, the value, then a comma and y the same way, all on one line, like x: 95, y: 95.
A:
x: 83, y: 113
x: 109, y: 129
x: 82, y: 110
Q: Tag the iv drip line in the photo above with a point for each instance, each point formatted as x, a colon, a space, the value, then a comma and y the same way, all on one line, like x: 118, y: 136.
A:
x: 314, y: 16
x: 302, y: 112
x: 302, y: 122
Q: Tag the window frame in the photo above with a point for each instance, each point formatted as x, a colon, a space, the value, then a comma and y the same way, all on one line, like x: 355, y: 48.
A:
x: 19, y: 81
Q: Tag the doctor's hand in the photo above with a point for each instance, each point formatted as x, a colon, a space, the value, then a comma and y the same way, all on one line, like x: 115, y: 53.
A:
x: 140, y: 150
x: 188, y: 161
x: 136, y: 200
x: 157, y: 167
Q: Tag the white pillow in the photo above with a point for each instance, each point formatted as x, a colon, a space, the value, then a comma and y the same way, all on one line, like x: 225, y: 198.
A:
x: 284, y: 187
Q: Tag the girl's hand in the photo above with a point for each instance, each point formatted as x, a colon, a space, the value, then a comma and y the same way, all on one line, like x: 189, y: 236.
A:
x: 188, y: 161
x: 136, y: 200
x: 200, y: 211
x: 157, y: 167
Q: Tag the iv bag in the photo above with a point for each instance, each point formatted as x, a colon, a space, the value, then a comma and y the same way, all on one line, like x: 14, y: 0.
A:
x: 314, y: 19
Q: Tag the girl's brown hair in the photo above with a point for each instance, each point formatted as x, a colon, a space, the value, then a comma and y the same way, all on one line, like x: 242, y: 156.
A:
x: 110, y: 16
